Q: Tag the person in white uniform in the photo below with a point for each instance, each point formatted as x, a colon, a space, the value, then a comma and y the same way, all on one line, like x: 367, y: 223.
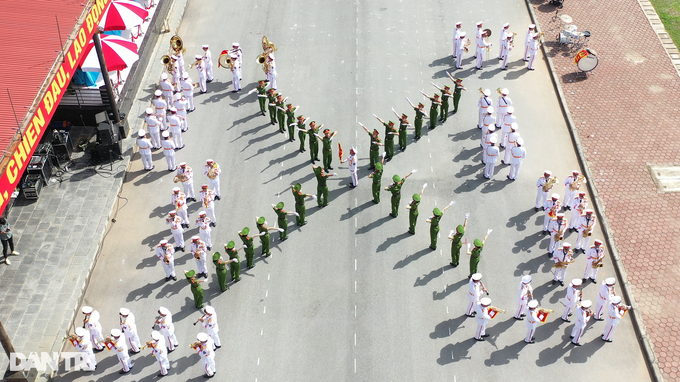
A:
x: 352, y: 166
x: 527, y: 41
x: 180, y: 105
x: 525, y: 293
x: 475, y: 289
x: 483, y: 104
x: 203, y: 223
x: 534, y: 46
x: 167, y: 328
x: 502, y: 36
x: 209, y: 321
x: 482, y: 318
x: 594, y: 257
x: 604, y: 296
x: 176, y: 228
x: 557, y: 228
x: 212, y: 171
x: 456, y: 39
x: 461, y: 51
x: 160, y: 105
x: 187, y: 174
x: 144, y: 145
x: 585, y: 227
x: 542, y: 194
x: 199, y: 250
x: 175, y: 127
x: 166, y: 86
x: 518, y: 155
x: 532, y: 321
x: 166, y: 254
x: 169, y: 147
x: 205, y: 350
x: 188, y: 91
x: 128, y: 326
x: 271, y: 74
x: 583, y: 315
x: 236, y: 49
x: 506, y: 123
x: 84, y: 344
x: 562, y: 257
x: 614, y: 315
x: 91, y: 323
x: 572, y: 298
x: 200, y: 68
x: 153, y: 125
x: 121, y: 350
x: 507, y: 47
x: 179, y: 201
x: 510, y: 143
x: 207, y: 59
x: 160, y: 352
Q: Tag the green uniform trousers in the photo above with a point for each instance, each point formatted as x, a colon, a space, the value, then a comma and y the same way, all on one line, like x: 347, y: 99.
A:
x: 434, y: 231
x: 302, y: 135
x: 412, y: 220
x: 433, y: 117
x: 314, y: 149
x: 198, y: 295
x: 235, y: 270
x: 395, y: 204
x: 272, y: 114
x: 376, y: 191
x: 266, y: 242
x: 327, y: 158
x: 263, y: 103
x: 221, y: 270
x: 291, y: 129
x: 418, y: 124
x: 283, y: 223
x: 373, y: 156
x: 402, y: 139
x: 456, y: 98
x: 282, y: 121
x: 301, y: 210
x: 250, y: 256
x: 455, y: 252
x: 322, y: 196
x: 444, y: 110
x: 389, y: 147
x: 474, y: 262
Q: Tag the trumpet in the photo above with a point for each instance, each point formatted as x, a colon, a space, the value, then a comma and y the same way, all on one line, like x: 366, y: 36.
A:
x: 203, y: 317
x: 196, y: 345
x: 576, y: 184
x: 497, y: 309
x: 70, y: 337
x: 467, y: 44
x: 482, y: 92
x: 546, y: 310
x: 156, y: 321
x: 498, y: 90
x: 149, y: 344
x: 548, y: 185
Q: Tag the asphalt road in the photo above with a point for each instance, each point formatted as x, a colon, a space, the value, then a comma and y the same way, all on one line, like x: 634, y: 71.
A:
x: 352, y: 295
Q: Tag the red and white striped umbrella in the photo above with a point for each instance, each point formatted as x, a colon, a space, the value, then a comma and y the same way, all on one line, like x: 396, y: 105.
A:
x: 119, y: 54
x: 123, y: 14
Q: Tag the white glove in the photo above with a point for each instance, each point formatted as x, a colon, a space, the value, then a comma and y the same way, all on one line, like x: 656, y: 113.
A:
x: 314, y: 197
x: 452, y: 203
x: 245, y: 246
x: 414, y: 171
x: 424, y: 185
x: 467, y: 215
x: 281, y: 230
x: 235, y: 260
x: 488, y: 231
x: 335, y: 174
x: 451, y: 233
x: 297, y: 214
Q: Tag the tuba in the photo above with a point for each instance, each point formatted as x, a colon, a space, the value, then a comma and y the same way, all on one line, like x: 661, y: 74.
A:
x: 262, y: 60
x: 167, y: 63
x: 268, y: 46
x: 225, y: 60
x: 177, y: 45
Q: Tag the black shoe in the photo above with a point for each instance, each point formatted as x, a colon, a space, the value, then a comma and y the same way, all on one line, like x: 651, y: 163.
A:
x: 330, y: 168
x: 554, y: 282
x: 393, y: 215
x: 453, y: 265
x: 212, y: 224
x: 209, y: 376
x: 593, y: 280
x: 567, y: 320
x: 522, y: 315
x: 182, y: 249
x: 479, y: 339
x: 217, y: 197
x: 174, y: 278
x: 433, y: 248
x: 167, y: 279
x: 605, y: 340
x: 161, y: 375
x: 561, y: 283
x: 599, y: 319
x: 469, y: 315
x: 571, y: 336
x: 530, y: 342
x: 484, y: 335
x: 519, y: 318
x: 217, y: 347
x: 575, y: 343
x: 170, y: 351
x: 284, y: 239
x: 209, y: 248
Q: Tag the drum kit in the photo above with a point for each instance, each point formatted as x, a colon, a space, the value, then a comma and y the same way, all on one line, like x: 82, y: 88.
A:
x: 571, y: 35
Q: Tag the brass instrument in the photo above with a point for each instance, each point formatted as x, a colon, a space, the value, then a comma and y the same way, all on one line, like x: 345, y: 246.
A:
x: 467, y: 44
x: 262, y: 60
x: 486, y: 33
x: 493, y: 311
x: 576, y: 184
x: 156, y: 321
x: 167, y: 62
x: 149, y: 344
x: 70, y: 337
x: 196, y: 345
x: 166, y: 258
x: 598, y: 263
x: 197, y: 255
x: 563, y: 264
x: 179, y: 178
x: 482, y: 92
x: 212, y: 173
x: 541, y: 310
x: 177, y: 45
x: 498, y: 90
x: 268, y: 46
x: 548, y: 185
x: 225, y: 61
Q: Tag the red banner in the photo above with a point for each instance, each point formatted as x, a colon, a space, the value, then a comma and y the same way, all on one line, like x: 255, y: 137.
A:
x: 41, y: 117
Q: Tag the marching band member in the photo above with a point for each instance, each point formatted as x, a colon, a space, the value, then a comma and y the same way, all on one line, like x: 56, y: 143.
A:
x: 484, y: 103
x: 352, y: 166
x: 212, y: 171
x: 487, y: 133
x: 91, y: 323
x: 475, y: 289
x: 121, y: 350
x: 160, y: 352
x: 180, y: 63
x: 526, y: 293
x: 532, y: 321
x: 166, y: 86
x: 534, y: 46
x: 207, y: 59
x: 604, y: 296
x: 209, y: 321
x: 502, y: 35
x: 506, y: 122
x: 502, y: 107
x: 614, y: 316
x: 175, y: 127
x: 179, y: 201
x: 527, y: 41
x: 479, y: 34
x: 482, y: 317
x: 550, y: 207
x: 482, y: 46
x: 205, y: 350
x: 175, y: 73
x: 568, y: 184
x: 153, y: 125
x: 271, y: 73
x: 198, y: 249
x: 562, y: 257
x: 238, y: 52
x: 167, y: 328
x: 577, y: 206
x: 186, y: 175
x: 188, y: 91
x: 129, y: 328
x: 491, y: 156
x: 488, y: 121
x: 235, y: 75
x: 200, y: 68
x: 169, y: 147
x: 557, y: 229
x: 585, y: 227
x: 456, y: 39
x: 462, y: 49
x: 544, y: 185
x: 583, y: 315
x: 144, y: 145
x: 84, y: 344
x: 208, y: 200
x: 507, y: 47
x: 518, y: 155
x: 165, y: 254
x: 160, y: 105
x: 594, y: 257
x: 181, y: 107
x: 511, y: 143
x: 572, y: 297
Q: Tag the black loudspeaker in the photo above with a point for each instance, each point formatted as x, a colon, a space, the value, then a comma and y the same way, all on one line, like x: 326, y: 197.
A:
x: 106, y: 134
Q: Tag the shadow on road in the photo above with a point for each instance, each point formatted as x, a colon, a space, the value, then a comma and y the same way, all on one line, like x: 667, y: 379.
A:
x: 446, y: 328
x: 391, y: 240
x: 411, y: 258
x: 448, y: 290
x: 421, y: 281
x: 520, y: 220
x: 505, y: 355
x: 455, y: 352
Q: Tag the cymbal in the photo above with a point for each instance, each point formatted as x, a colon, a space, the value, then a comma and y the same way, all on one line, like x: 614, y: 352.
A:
x: 566, y: 19
x: 570, y: 28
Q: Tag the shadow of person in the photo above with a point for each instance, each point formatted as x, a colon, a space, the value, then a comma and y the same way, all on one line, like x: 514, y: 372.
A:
x: 148, y: 262
x: 455, y: 352
x: 421, y: 281
x: 390, y: 240
x: 411, y: 258
x: 446, y: 328
x: 353, y: 211
x: 582, y: 354
x: 520, y: 220
x: 498, y: 329
x: 145, y: 291
x: 505, y: 355
x: 551, y: 355
x: 171, y: 288
x: 184, y: 363
x: 527, y: 242
x: 375, y: 224
x: 448, y: 290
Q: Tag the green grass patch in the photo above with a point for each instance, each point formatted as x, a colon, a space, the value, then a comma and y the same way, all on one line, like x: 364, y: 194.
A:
x: 669, y: 13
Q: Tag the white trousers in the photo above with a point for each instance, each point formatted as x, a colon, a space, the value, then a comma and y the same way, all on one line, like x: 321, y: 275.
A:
x: 522, y: 307
x: 559, y: 274
x: 546, y: 221
x: 235, y: 80
x: 177, y: 138
x: 190, y: 100
x: 591, y: 273
x: 161, y: 117
x: 189, y: 188
x: 202, y: 83
x: 133, y: 340
x: 271, y: 76
x: 209, y: 365
x: 531, y: 328
x: 481, y: 327
x: 609, y: 328
x: 577, y: 332
x: 215, y: 337
x: 489, y: 169
x: 124, y: 359
x: 514, y: 170
x: 155, y: 138
x: 147, y: 160
x: 540, y: 198
x: 582, y: 241
x: 170, y: 339
x: 353, y: 176
x: 567, y: 310
x: 214, y: 185
x: 183, y: 214
x: 554, y: 244
x: 200, y: 264
x: 206, y: 236
x: 599, y: 308
x: 178, y: 235
x: 209, y: 71
x: 459, y: 61
x: 532, y: 57
x: 480, y: 57
x: 163, y: 363
x: 96, y: 336
x: 183, y: 121
x: 210, y: 212
x: 170, y: 159
x: 89, y: 359
x: 169, y: 268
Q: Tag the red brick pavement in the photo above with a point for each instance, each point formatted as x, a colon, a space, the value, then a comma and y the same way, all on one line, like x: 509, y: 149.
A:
x: 629, y: 106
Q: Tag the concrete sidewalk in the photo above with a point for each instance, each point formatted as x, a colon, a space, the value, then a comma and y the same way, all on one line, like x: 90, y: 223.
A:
x: 622, y: 121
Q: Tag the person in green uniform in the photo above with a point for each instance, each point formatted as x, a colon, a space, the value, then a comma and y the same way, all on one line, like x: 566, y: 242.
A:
x: 282, y: 220
x: 300, y: 203
x: 313, y: 133
x: 271, y: 102
x: 281, y: 112
x: 476, y: 253
x: 403, y: 125
x: 457, y: 91
x: 413, y: 211
x: 390, y: 133
x: 395, y: 189
x: 261, y: 90
x: 327, y: 151
x: 434, y: 107
x: 457, y: 241
x: 235, y: 266
x: 264, y: 235
x: 322, y: 187
x: 302, y: 132
x: 248, y: 246
x: 375, y: 146
x: 290, y: 121
x: 434, y: 224
x: 221, y: 270
x: 444, y: 108
x: 196, y: 289
x: 377, y: 178
x: 418, y: 122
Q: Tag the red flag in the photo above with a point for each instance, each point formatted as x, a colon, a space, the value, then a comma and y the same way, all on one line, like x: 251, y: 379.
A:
x: 340, y: 151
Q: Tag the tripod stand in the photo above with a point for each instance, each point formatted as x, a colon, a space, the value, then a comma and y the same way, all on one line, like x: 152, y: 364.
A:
x: 110, y: 155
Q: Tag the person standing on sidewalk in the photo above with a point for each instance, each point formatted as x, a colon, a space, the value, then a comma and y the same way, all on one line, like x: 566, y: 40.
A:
x: 7, y: 240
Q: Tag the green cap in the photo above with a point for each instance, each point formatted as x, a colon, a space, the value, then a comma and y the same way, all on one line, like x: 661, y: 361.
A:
x: 317, y: 170
x: 396, y: 178
x: 378, y: 166
x: 279, y: 205
x: 245, y: 231
x: 230, y: 245
x: 437, y: 212
x: 216, y: 256
x: 260, y: 221
x: 189, y: 275
x: 460, y: 229
x: 478, y: 243
x: 297, y: 187
x: 416, y: 197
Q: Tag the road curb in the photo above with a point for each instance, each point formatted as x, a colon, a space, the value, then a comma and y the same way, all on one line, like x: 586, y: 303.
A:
x: 638, y: 324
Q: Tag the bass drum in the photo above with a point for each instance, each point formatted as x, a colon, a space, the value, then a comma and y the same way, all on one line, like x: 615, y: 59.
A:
x: 586, y: 60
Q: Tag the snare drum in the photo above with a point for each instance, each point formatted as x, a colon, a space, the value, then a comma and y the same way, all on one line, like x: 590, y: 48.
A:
x: 563, y: 39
